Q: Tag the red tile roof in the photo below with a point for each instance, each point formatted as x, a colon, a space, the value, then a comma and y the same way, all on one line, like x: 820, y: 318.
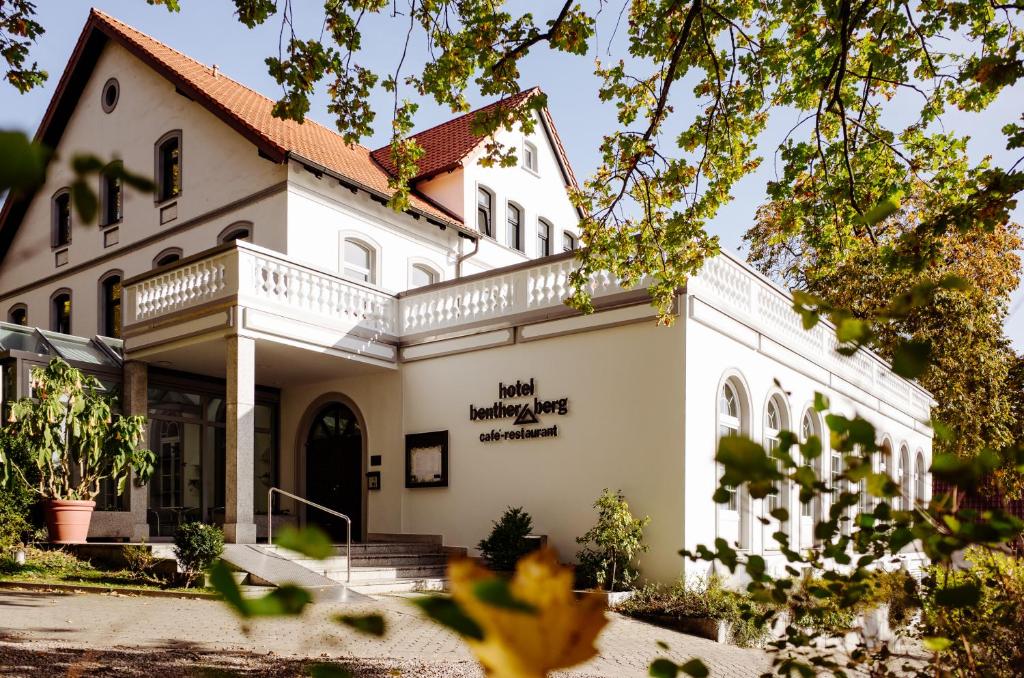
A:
x: 250, y: 113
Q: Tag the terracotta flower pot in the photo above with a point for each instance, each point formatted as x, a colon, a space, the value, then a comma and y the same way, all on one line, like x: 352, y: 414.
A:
x: 67, y: 520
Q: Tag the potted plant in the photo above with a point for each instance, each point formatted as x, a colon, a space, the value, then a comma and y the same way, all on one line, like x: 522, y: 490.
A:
x: 610, y: 548
x: 73, y: 441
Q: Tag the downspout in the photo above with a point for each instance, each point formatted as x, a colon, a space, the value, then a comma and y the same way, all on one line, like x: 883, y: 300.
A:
x: 462, y: 257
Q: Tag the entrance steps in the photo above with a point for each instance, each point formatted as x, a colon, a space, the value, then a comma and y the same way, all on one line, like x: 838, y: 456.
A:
x: 380, y: 567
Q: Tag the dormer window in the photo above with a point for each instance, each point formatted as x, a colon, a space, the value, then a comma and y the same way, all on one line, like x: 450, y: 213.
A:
x: 359, y: 260
x: 569, y: 242
x: 111, y: 195
x: 530, y: 156
x: 61, y: 229
x: 168, y: 166
x: 514, y: 217
x: 484, y: 203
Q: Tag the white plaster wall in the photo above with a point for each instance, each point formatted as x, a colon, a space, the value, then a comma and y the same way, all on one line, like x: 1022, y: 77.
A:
x: 711, y: 356
x: 218, y: 168
x: 321, y: 213
x: 624, y: 430
x: 378, y: 397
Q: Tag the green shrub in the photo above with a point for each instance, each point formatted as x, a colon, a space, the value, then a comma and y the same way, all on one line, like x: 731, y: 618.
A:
x: 47, y: 563
x: 507, y: 542
x: 611, y: 546
x: 986, y: 633
x: 900, y: 592
x: 197, y: 546
x: 703, y: 598
x: 819, y: 612
x: 140, y: 559
x: 16, y: 500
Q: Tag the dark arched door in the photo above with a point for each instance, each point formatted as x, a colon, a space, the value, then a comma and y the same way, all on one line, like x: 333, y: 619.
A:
x: 334, y: 470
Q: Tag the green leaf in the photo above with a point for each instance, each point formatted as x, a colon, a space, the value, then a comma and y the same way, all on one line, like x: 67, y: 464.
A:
x: 883, y: 209
x: 964, y: 595
x: 912, y: 358
x: 309, y: 541
x: 695, y: 668
x: 663, y: 668
x: 496, y: 592
x: 85, y: 201
x: 285, y: 600
x: 780, y: 514
x: 227, y: 587
x: 24, y: 162
x: 936, y: 643
x: 821, y: 402
x: 447, y: 612
x: 370, y: 624
x: 850, y: 330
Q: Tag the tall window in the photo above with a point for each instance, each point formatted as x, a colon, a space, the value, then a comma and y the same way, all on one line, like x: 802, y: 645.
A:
x: 168, y: 167
x: 60, y: 321
x: 808, y: 430
x: 514, y: 217
x: 358, y: 261
x: 568, y: 242
x: 18, y: 315
x: 543, y: 238
x: 729, y: 425
x: 530, y: 156
x: 422, y: 275
x: 906, y: 502
x: 774, y: 423
x: 920, y: 478
x: 484, y: 203
x: 836, y: 483
x: 111, y: 305
x: 61, y: 231
x: 111, y: 195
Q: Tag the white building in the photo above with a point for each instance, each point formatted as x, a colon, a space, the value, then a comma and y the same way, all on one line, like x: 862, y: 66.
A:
x: 283, y: 327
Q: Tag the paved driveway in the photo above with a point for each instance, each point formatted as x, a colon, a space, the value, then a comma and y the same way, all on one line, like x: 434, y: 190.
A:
x: 98, y: 634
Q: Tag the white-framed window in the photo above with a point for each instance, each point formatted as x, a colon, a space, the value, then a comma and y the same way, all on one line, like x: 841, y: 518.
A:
x: 529, y: 156
x: 774, y: 423
x: 732, y: 518
x: 421, y: 275
x: 359, y: 261
x: 484, y: 211
x: 836, y: 484
x: 808, y: 429
x: 544, y: 231
x: 569, y: 242
x: 920, y: 478
x: 729, y: 411
x: 514, y: 223
x: 906, y: 498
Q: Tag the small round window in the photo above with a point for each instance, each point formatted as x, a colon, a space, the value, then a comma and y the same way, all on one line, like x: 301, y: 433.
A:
x: 111, y: 91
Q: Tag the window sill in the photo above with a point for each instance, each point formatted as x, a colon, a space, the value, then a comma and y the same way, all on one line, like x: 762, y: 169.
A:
x: 60, y: 256
x: 531, y: 171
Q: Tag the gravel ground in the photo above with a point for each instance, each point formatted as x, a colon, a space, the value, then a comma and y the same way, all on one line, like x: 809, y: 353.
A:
x: 89, y: 634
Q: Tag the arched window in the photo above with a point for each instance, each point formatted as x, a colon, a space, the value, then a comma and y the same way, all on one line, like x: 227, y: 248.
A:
x: 111, y: 194
x: 568, y: 242
x: 906, y: 498
x: 920, y: 480
x: 733, y: 517
x: 60, y: 312
x: 18, y: 314
x: 775, y: 421
x: 359, y: 261
x: 167, y: 257
x: 484, y: 210
x: 240, y: 230
x: 110, y: 304
x: 514, y: 219
x: 60, y: 232
x: 543, y: 238
x: 810, y: 428
x: 529, y: 156
x: 168, y: 166
x: 421, y: 275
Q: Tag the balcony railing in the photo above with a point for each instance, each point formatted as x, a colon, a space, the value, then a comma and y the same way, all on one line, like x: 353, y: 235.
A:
x: 262, y: 279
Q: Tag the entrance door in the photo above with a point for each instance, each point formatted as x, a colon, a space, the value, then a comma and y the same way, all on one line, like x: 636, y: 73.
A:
x: 334, y: 470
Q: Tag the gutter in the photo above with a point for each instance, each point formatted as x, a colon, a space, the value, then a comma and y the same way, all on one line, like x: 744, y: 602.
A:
x: 462, y: 257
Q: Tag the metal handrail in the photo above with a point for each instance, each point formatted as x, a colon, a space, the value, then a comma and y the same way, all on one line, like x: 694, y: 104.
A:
x: 348, y: 525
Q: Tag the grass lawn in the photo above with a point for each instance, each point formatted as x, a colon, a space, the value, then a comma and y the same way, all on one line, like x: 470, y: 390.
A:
x: 59, y: 567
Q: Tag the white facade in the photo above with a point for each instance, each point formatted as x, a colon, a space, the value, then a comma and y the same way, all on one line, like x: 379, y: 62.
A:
x: 627, y: 404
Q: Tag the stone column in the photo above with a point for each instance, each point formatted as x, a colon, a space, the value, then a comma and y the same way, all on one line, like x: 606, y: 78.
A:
x: 136, y: 401
x: 239, y: 526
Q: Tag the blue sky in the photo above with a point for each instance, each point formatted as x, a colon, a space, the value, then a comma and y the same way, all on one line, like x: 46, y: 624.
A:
x: 209, y: 32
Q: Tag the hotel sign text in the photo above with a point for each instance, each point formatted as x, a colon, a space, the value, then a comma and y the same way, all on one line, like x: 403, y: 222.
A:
x: 524, y: 414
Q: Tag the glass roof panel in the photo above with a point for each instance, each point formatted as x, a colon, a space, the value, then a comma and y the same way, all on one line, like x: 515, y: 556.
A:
x: 115, y: 345
x: 77, y: 349
x: 20, y: 338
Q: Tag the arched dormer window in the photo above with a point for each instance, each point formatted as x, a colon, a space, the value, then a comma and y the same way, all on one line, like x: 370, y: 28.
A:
x: 421, y: 275
x: 514, y: 222
x: 60, y: 311
x: 240, y: 230
x: 359, y: 261
x: 544, y: 231
x: 18, y: 315
x: 167, y: 257
x: 168, y: 166
x: 484, y: 211
x: 569, y: 242
x: 60, y: 231
x: 110, y: 304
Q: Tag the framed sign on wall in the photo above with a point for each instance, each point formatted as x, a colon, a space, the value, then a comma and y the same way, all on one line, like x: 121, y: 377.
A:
x: 426, y: 459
